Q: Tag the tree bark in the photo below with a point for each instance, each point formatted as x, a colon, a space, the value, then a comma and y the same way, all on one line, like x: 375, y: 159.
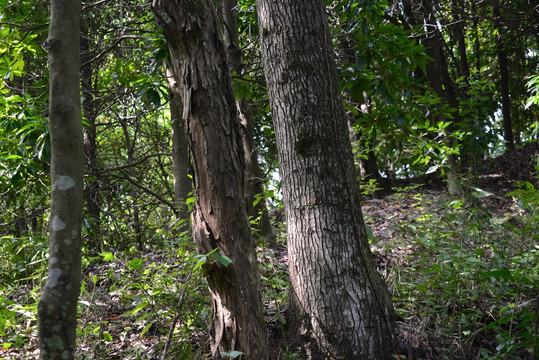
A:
x: 339, y: 301
x: 57, y: 309
x: 180, y: 158
x: 180, y: 152
x: 220, y: 219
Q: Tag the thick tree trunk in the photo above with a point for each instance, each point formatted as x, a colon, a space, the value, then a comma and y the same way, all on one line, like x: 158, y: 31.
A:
x: 220, y: 220
x: 339, y: 301
x: 254, y: 185
x: 504, y: 80
x: 57, y: 309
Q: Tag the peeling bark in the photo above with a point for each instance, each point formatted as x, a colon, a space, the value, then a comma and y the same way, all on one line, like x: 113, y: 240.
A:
x: 220, y: 220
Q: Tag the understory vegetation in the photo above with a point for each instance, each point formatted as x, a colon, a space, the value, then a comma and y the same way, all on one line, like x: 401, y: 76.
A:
x: 436, y: 93
x: 463, y: 274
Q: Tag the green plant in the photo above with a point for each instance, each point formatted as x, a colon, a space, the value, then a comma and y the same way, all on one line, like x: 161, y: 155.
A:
x: 369, y: 187
x: 471, y: 278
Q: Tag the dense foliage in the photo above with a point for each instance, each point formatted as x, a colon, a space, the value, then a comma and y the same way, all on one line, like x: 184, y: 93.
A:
x: 463, y: 271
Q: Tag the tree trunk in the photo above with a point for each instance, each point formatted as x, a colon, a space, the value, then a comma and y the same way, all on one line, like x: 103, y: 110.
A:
x: 132, y: 174
x: 220, y: 220
x: 254, y: 186
x: 57, y: 309
x: 440, y: 81
x: 457, y: 11
x: 91, y: 190
x: 504, y: 80
x: 338, y: 301
x: 180, y: 153
x: 254, y: 183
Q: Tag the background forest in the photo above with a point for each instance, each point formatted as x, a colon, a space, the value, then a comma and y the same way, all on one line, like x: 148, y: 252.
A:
x: 442, y: 102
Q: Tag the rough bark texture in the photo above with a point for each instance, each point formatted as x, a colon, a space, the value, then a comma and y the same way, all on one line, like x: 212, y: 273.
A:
x: 254, y: 186
x: 220, y: 220
x: 57, y: 309
x: 339, y: 300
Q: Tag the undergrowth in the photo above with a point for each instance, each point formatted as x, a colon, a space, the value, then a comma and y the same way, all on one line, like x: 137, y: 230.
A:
x: 465, y: 288
x: 468, y: 290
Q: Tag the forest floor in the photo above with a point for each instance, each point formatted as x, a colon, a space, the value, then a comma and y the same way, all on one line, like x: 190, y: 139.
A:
x: 430, y: 248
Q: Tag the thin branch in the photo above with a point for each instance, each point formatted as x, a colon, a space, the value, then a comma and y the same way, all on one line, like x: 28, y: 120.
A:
x: 121, y: 167
x: 154, y: 194
x: 118, y: 40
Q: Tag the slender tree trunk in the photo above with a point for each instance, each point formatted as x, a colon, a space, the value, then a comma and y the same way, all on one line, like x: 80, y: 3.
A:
x: 57, y: 309
x: 220, y: 220
x: 130, y: 147
x: 458, y: 20
x: 338, y: 301
x: 91, y: 190
x: 254, y: 185
x: 504, y: 80
x: 440, y: 81
x: 477, y: 40
x: 365, y: 139
x: 370, y: 164
x: 183, y: 185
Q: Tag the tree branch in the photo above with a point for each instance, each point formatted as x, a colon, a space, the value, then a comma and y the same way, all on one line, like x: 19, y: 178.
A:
x: 121, y: 167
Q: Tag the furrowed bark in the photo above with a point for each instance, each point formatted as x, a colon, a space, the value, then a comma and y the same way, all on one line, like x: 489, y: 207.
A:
x: 220, y: 220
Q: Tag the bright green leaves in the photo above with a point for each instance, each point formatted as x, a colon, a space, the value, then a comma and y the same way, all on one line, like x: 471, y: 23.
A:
x: 223, y: 259
x: 24, y: 140
x: 533, y: 90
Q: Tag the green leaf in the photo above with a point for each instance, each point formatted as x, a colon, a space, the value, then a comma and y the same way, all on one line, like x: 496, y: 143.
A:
x: 223, y: 259
x: 139, y: 307
x: 498, y: 274
x: 108, y: 256
x: 135, y: 264
x: 146, y: 328
x: 153, y: 97
x: 200, y: 262
x: 480, y: 193
x: 107, y: 336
